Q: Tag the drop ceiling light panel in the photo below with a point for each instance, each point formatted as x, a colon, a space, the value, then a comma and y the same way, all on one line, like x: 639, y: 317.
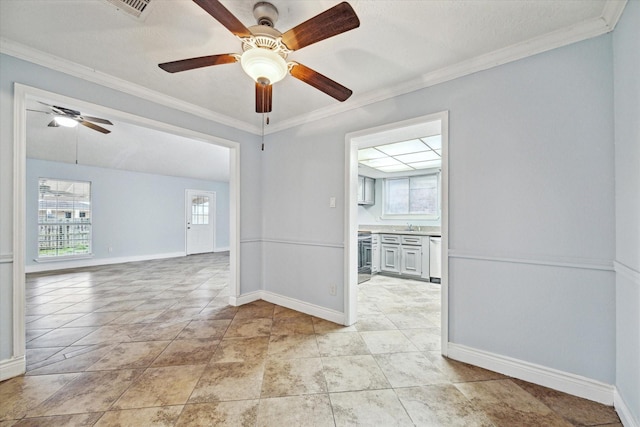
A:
x: 395, y: 168
x: 418, y: 157
x: 405, y: 147
x: 369, y: 153
x: 434, y: 142
x: 385, y: 161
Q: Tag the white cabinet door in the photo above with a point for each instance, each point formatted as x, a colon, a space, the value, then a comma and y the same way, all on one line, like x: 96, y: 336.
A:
x: 369, y: 191
x: 435, y: 257
x: 411, y: 260
x: 375, y: 254
x: 360, y: 189
x: 390, y: 258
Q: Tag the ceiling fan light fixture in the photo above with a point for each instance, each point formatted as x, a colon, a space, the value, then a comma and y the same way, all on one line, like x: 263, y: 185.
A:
x: 260, y: 63
x: 67, y: 122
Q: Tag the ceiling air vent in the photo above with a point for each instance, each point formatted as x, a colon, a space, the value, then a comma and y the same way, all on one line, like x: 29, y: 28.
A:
x: 132, y: 7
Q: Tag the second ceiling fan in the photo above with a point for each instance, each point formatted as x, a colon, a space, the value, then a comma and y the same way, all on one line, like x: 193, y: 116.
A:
x: 265, y: 49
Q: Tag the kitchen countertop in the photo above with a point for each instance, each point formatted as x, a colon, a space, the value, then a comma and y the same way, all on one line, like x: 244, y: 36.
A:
x: 423, y: 231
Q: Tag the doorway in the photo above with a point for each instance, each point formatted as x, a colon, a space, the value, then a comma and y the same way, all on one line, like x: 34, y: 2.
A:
x: 201, y: 221
x: 22, y: 95
x: 399, y: 131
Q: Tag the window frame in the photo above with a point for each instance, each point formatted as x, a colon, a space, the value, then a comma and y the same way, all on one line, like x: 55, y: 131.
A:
x: 81, y: 220
x: 409, y: 216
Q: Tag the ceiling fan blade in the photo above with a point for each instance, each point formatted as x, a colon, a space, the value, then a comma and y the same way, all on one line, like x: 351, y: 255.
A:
x: 97, y: 120
x: 329, y: 23
x: 199, y: 62
x: 320, y: 82
x: 67, y: 111
x: 94, y: 127
x: 222, y: 15
x: 263, y: 98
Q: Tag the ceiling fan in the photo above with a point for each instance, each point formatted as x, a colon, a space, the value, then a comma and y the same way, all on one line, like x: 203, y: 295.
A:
x: 67, y: 117
x: 265, y: 49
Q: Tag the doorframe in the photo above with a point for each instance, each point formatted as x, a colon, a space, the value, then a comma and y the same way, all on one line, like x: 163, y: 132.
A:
x: 187, y: 203
x: 352, y: 141
x: 21, y: 94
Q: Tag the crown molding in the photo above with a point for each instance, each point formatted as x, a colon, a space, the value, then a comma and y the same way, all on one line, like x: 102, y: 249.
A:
x: 605, y: 23
x: 588, y: 29
x: 20, y: 51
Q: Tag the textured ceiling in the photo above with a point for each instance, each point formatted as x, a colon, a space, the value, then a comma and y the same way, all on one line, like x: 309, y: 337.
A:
x: 400, y: 46
x: 396, y: 46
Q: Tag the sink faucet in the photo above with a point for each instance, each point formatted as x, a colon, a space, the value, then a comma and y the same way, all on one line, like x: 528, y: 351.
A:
x: 410, y: 227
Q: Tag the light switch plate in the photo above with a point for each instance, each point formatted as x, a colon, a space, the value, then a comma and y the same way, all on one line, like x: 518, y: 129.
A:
x: 332, y: 202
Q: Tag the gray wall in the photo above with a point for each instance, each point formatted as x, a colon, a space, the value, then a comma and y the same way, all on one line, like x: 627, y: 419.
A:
x: 15, y: 70
x: 626, y: 55
x: 136, y: 214
x: 531, y: 149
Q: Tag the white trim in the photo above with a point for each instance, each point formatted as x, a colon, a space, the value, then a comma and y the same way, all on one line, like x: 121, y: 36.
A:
x: 55, y: 63
x: 292, y: 303
x: 366, y: 138
x: 304, y: 307
x: 605, y: 23
x: 302, y: 243
x: 10, y: 368
x: 555, y: 261
x: 626, y: 271
x: 558, y: 380
x: 6, y: 258
x: 245, y: 299
x: 623, y: 410
x: 546, y: 42
x: 221, y: 249
x: 21, y: 93
x: 92, y: 262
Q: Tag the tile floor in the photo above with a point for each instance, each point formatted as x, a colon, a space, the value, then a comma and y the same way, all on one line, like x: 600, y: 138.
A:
x: 155, y: 344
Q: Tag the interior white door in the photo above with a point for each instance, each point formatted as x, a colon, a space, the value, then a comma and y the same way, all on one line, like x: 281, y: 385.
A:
x: 200, y: 215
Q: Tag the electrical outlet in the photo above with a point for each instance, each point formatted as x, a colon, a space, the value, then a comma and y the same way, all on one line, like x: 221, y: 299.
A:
x: 333, y: 289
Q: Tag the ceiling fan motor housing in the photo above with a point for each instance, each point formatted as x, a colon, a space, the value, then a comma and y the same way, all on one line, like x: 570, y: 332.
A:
x: 265, y: 13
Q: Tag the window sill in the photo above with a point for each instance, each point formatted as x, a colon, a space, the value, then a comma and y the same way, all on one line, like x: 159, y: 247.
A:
x: 63, y: 258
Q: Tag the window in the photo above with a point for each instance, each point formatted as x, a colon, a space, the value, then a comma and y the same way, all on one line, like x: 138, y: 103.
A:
x: 64, y: 218
x: 415, y: 196
x: 200, y: 210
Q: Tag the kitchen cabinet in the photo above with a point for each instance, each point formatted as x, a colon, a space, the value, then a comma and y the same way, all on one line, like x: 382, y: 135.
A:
x: 390, y: 258
x: 435, y: 259
x: 375, y: 254
x: 366, y: 190
x: 411, y: 260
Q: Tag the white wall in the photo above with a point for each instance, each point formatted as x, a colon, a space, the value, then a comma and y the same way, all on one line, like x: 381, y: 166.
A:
x: 531, y: 177
x: 626, y: 55
x: 136, y: 214
x: 14, y: 70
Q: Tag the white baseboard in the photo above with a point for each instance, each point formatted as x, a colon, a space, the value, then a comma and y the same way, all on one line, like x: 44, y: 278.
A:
x: 92, y: 262
x: 625, y: 414
x: 558, y: 380
x: 293, y: 304
x: 304, y: 307
x: 245, y: 299
x: 10, y: 368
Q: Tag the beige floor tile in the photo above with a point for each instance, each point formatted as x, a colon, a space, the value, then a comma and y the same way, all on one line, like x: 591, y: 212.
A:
x: 458, y: 372
x: 166, y: 330
x: 241, y: 350
x: 350, y: 373
x: 374, y: 323
x: 307, y: 410
x: 506, y: 404
x: 441, y: 406
x: 60, y: 337
x: 572, y: 408
x: 247, y: 328
x: 255, y: 310
x: 21, y: 394
x: 168, y: 385
x: 409, y: 369
x: 321, y: 326
x: 164, y: 416
x: 241, y: 413
x: 213, y: 313
x: 212, y: 329
x: 51, y: 321
x: 78, y: 420
x: 425, y: 339
x: 187, y: 352
x: 411, y: 320
x: 293, y: 377
x: 369, y: 408
x: 292, y: 325
x: 71, y: 360
x: 89, y: 392
x: 293, y: 346
x: 228, y: 381
x: 387, y: 342
x: 343, y: 344
x: 131, y: 355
